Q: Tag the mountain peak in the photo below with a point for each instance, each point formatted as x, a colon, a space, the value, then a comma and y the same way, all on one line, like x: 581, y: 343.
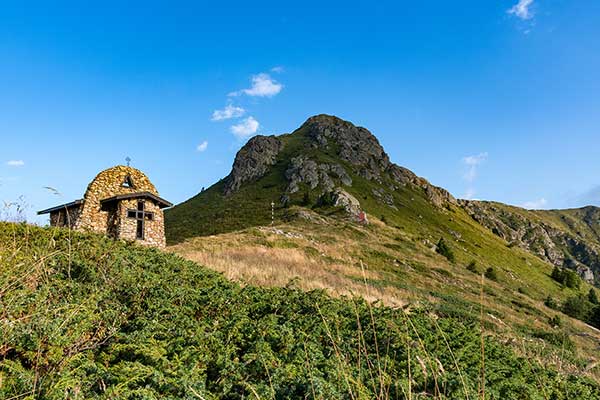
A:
x: 356, y: 144
x: 325, y: 156
x: 324, y: 153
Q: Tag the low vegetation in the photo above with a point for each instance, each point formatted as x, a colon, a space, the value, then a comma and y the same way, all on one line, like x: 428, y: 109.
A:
x: 85, y: 317
x: 566, y: 277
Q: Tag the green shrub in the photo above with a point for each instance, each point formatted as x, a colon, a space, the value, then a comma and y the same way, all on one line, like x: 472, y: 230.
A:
x: 556, y: 338
x: 555, y: 321
x: 327, y: 199
x: 490, y: 274
x: 594, y: 317
x: 551, y: 303
x: 102, y: 319
x: 592, y: 297
x: 443, y: 249
x: 577, y: 307
x: 306, y: 201
x: 472, y: 266
x: 566, y: 277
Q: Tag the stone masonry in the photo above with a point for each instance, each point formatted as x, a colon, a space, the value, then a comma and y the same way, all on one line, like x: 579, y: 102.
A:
x: 120, y: 202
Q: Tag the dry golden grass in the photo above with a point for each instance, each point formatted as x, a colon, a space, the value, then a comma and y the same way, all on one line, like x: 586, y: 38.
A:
x: 256, y: 264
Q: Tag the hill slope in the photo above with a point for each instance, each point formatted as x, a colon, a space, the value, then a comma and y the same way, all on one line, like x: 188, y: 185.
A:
x: 564, y: 238
x: 321, y: 177
x: 83, y: 316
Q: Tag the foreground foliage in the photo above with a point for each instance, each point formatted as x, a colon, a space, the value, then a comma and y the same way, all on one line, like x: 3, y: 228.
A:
x: 86, y: 317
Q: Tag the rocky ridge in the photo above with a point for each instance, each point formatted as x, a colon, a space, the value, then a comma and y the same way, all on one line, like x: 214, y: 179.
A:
x: 548, y: 242
x: 252, y: 161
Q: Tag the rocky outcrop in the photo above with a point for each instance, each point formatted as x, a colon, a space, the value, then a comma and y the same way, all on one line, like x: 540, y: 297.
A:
x: 252, y: 161
x: 547, y: 241
x: 361, y: 149
x: 304, y: 170
x: 348, y: 202
x: 355, y: 145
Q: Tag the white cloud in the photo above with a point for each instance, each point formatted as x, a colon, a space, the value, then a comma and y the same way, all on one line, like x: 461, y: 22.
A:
x: 472, y: 163
x: 469, y: 194
x: 278, y: 69
x: 522, y: 9
x: 15, y: 163
x: 247, y: 127
x: 202, y: 146
x: 262, y: 86
x: 535, y: 204
x: 230, y: 111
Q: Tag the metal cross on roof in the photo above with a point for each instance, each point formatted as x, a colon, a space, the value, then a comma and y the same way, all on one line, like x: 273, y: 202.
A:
x: 128, y: 159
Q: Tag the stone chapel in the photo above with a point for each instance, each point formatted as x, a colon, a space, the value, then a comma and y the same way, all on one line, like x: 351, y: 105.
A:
x: 120, y: 202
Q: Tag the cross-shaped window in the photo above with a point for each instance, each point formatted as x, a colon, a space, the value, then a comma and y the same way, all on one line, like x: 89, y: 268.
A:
x: 140, y: 215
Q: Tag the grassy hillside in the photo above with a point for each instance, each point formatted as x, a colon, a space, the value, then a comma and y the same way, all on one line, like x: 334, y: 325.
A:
x: 211, y: 212
x: 86, y: 317
x: 566, y: 238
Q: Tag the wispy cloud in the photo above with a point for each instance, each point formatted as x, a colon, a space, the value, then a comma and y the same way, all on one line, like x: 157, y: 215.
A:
x: 202, y: 146
x: 522, y: 9
x: 470, y: 194
x: 278, y: 69
x: 262, y: 86
x: 247, y: 127
x: 473, y: 163
x: 230, y: 111
x: 15, y: 163
x: 535, y: 204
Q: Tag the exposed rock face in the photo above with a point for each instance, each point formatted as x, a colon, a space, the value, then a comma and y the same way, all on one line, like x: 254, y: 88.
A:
x: 546, y: 241
x: 360, y: 148
x: 252, y: 161
x: 348, y: 202
x: 356, y: 145
x: 586, y: 274
x: 304, y: 170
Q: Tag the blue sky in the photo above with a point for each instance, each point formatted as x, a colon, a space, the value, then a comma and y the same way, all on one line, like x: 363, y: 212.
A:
x: 494, y: 100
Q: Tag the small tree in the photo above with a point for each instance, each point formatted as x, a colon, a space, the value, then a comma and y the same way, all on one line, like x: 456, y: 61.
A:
x: 572, y: 280
x: 577, y: 307
x: 566, y: 277
x: 472, y: 266
x: 327, y: 199
x: 592, y: 297
x: 306, y: 199
x: 594, y: 318
x: 551, y: 303
x: 444, y: 250
x: 555, y: 321
x: 490, y: 274
x: 557, y: 275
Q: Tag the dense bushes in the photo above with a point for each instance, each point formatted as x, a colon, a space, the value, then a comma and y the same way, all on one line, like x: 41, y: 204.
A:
x: 85, y: 317
x: 566, y: 277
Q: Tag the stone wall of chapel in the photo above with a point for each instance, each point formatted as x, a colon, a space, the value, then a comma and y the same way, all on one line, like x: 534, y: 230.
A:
x: 154, y: 232
x: 65, y: 217
x: 109, y: 183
